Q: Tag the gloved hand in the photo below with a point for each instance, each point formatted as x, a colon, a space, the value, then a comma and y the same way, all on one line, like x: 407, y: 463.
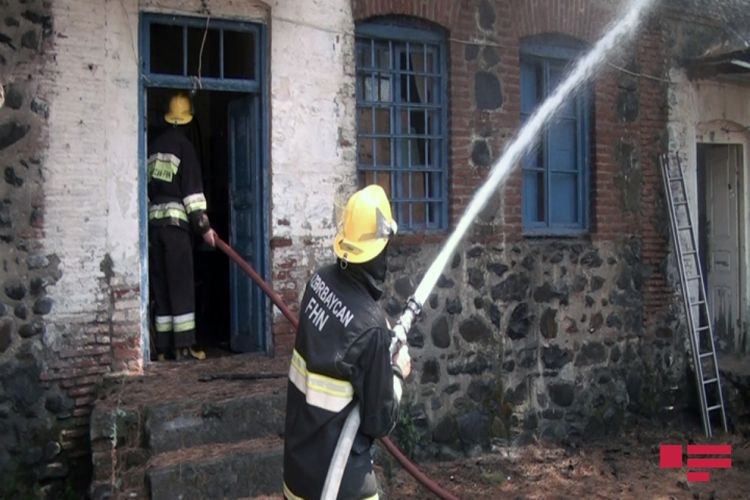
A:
x: 402, y: 360
x: 210, y: 237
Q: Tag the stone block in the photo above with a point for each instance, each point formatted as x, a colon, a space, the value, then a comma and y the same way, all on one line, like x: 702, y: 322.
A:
x: 562, y: 394
x: 179, y: 424
x: 440, y: 333
x: 487, y: 91
x: 245, y: 469
x: 474, y: 329
x: 555, y: 358
x: 520, y: 322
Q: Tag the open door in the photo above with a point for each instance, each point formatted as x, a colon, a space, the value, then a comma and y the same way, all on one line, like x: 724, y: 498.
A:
x: 247, y: 301
x: 722, y: 190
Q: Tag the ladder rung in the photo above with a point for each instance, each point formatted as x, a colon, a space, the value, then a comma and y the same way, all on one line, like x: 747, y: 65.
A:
x: 677, y: 178
x: 684, y: 228
x: 698, y: 303
x: 712, y: 408
x: 691, y: 278
x: 702, y: 328
x: 689, y: 252
x: 676, y: 203
x: 710, y: 381
x: 705, y: 354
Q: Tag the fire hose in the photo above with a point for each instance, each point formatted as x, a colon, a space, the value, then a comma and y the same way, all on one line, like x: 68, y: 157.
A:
x: 408, y: 465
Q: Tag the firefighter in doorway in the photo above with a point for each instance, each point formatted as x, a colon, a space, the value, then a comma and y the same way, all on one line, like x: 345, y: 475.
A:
x: 341, y: 357
x: 176, y: 204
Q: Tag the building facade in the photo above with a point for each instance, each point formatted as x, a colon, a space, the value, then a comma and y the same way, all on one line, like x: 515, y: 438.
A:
x: 557, y: 316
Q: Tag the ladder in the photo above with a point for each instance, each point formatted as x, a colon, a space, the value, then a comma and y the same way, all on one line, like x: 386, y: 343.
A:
x: 693, y: 294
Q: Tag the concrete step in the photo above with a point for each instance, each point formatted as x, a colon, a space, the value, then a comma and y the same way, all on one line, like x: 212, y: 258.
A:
x: 207, y: 405
x: 183, y: 424
x: 249, y: 468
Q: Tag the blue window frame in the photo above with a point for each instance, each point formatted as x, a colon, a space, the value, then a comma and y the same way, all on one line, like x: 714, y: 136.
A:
x: 556, y: 171
x: 402, y: 119
x: 222, y: 63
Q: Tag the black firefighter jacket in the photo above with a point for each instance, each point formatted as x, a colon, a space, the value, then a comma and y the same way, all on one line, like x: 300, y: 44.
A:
x: 340, y: 358
x: 175, y: 187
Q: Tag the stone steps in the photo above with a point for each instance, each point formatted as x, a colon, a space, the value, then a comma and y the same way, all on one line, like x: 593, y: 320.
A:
x: 192, y: 430
x: 232, y: 470
x: 182, y: 424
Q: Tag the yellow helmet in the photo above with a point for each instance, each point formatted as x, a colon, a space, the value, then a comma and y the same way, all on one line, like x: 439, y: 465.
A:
x: 366, y: 225
x: 180, y: 110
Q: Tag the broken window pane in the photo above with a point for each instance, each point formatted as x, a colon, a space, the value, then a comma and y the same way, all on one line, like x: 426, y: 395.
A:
x: 407, y: 133
x: 239, y: 55
x: 166, y: 49
x: 205, y: 61
x: 364, y: 120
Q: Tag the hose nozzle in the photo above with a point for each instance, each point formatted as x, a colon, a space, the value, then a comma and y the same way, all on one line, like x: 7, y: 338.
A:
x: 412, y: 310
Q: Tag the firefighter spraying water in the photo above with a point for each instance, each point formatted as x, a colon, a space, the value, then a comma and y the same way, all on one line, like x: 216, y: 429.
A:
x: 322, y: 386
x: 522, y: 142
x: 342, y: 359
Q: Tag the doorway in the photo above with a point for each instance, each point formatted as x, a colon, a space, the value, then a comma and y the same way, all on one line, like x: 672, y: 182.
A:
x: 218, y: 63
x: 720, y: 193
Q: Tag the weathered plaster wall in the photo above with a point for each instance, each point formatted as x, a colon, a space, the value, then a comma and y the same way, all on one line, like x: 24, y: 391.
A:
x: 313, y: 139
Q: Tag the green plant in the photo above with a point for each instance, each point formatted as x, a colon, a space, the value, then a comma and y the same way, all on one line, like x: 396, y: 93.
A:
x: 17, y: 484
x: 406, y: 431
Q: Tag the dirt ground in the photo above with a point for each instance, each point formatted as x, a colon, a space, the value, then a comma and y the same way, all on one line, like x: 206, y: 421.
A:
x: 622, y: 467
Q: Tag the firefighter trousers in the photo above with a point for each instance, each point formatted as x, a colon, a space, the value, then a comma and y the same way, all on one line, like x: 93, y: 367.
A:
x: 171, y: 277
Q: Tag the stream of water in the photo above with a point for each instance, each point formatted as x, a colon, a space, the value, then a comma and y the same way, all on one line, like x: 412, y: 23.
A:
x: 583, y: 69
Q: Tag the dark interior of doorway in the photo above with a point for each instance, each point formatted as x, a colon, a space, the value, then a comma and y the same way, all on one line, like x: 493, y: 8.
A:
x: 702, y: 217
x: 209, y: 134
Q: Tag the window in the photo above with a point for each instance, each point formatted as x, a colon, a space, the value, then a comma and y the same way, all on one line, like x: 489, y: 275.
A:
x: 555, y: 172
x: 220, y: 52
x: 401, y: 120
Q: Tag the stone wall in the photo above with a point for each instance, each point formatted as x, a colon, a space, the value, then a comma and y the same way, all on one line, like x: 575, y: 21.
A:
x: 540, y: 337
x: 38, y: 418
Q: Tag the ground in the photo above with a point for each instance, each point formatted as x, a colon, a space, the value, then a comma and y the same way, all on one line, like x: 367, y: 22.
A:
x: 623, y: 467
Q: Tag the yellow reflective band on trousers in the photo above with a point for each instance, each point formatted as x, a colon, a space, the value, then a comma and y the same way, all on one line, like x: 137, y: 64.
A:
x: 291, y: 496
x: 170, y: 210
x: 183, y: 322
x: 163, y: 324
x: 163, y: 166
x: 324, y: 392
x: 194, y: 202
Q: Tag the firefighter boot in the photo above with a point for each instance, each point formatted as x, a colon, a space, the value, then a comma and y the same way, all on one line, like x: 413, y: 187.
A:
x: 188, y: 353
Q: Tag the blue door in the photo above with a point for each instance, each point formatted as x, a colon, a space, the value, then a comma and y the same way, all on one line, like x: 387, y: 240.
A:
x: 248, y: 303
